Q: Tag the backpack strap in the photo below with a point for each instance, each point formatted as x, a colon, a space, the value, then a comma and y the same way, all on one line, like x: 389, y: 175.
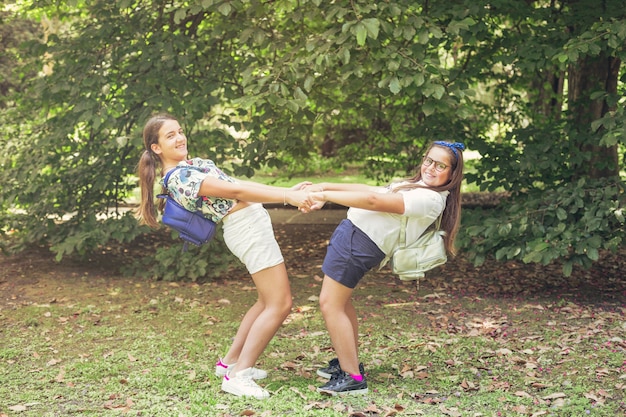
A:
x: 167, y: 176
x: 165, y: 180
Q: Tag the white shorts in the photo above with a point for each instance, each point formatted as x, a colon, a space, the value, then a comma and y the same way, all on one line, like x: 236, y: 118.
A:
x: 249, y: 235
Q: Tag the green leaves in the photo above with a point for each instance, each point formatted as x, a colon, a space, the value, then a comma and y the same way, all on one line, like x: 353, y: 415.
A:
x: 169, y: 263
x: 573, y: 223
x: 364, y: 29
x: 373, y: 81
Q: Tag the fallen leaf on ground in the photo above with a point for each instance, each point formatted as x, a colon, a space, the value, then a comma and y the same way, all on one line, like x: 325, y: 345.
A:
x: 554, y: 396
x: 18, y: 408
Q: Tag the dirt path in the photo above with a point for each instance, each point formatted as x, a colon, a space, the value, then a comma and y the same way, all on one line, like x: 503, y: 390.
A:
x: 34, y: 276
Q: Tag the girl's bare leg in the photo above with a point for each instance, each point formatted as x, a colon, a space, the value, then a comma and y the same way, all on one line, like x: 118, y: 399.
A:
x: 263, y: 319
x: 341, y: 322
x: 234, y: 351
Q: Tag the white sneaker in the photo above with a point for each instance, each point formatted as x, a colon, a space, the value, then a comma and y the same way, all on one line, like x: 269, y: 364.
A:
x: 242, y: 385
x: 221, y: 369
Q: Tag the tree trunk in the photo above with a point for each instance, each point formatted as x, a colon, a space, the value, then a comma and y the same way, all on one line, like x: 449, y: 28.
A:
x: 592, y: 74
x: 546, y: 92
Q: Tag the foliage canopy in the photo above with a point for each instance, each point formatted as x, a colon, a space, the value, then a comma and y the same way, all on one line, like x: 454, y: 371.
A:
x: 536, y: 87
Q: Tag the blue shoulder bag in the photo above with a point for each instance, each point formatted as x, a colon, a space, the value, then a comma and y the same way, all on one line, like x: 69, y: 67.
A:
x: 192, y: 227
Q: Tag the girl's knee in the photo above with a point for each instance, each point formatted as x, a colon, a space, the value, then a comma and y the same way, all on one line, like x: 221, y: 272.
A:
x: 326, y: 305
x: 281, y: 307
x: 286, y: 306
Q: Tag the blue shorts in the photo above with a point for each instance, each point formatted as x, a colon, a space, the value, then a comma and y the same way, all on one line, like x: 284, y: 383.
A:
x: 350, y: 254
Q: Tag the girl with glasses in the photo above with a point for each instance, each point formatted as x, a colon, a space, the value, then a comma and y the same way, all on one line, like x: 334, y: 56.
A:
x: 370, y: 232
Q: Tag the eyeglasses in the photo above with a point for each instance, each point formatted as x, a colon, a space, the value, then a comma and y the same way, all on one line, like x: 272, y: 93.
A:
x: 439, y: 166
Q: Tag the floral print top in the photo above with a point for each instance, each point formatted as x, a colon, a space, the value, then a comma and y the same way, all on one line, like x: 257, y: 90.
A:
x: 184, y: 185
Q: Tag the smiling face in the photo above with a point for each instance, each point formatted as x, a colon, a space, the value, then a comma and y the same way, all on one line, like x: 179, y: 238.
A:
x: 436, y: 167
x: 172, y: 145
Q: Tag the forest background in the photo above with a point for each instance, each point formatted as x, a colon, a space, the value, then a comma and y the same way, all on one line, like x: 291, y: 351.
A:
x: 534, y: 88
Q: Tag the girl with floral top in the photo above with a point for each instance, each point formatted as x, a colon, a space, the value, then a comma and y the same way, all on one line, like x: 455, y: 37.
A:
x: 201, y: 186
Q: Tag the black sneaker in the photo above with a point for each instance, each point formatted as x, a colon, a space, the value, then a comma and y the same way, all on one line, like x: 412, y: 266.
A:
x: 332, y: 368
x: 341, y: 383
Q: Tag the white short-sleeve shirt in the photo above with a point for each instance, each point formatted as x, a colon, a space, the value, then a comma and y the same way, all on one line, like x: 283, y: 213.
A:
x: 422, y: 207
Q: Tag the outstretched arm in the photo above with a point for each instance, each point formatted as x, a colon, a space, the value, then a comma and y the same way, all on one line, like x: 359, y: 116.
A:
x: 369, y: 200
x: 253, y: 192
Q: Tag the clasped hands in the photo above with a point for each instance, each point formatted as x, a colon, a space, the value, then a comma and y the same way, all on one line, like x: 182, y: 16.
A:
x: 306, y: 196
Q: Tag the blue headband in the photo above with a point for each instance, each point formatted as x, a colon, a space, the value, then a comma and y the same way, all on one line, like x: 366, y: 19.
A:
x: 454, y: 146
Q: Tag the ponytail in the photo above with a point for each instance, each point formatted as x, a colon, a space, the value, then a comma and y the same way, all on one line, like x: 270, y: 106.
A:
x: 146, y: 170
x: 146, y: 213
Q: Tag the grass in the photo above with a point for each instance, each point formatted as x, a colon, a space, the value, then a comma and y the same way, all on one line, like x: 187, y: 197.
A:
x: 105, y: 346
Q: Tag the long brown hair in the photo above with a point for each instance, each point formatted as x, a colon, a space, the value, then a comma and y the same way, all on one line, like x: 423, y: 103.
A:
x: 147, y: 171
x: 451, y: 218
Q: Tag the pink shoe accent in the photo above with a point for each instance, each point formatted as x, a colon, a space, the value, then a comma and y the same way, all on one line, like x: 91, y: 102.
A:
x: 358, y: 377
